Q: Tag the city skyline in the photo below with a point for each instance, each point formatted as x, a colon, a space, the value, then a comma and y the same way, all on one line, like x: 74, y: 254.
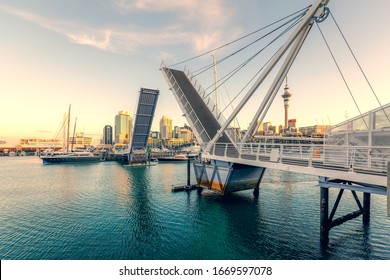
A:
x: 96, y: 57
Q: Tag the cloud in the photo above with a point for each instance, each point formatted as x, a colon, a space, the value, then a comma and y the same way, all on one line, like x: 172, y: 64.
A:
x: 75, y: 32
x: 195, y: 25
x: 204, y: 22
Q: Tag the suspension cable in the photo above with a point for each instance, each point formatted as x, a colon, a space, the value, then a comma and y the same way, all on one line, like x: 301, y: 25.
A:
x: 250, y: 59
x: 238, y: 39
x: 209, y: 66
x: 235, y: 70
x: 342, y: 75
x: 361, y: 69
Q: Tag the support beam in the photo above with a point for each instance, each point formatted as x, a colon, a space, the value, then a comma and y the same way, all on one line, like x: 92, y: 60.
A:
x: 366, y: 207
x: 188, y: 172
x: 324, y: 210
x: 336, y: 204
x: 256, y: 190
x: 345, y: 218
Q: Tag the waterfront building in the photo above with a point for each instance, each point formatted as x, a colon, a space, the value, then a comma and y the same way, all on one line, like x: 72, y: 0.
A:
x: 185, y: 135
x: 107, y: 135
x: 165, y: 128
x: 292, y: 123
x: 123, y: 127
x: 280, y: 129
x: 315, y: 130
x: 267, y: 129
x: 174, y: 142
x: 154, y: 139
x: 35, y: 144
x: 80, y: 141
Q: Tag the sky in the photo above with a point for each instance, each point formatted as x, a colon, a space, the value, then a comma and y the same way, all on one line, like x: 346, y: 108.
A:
x: 97, y: 54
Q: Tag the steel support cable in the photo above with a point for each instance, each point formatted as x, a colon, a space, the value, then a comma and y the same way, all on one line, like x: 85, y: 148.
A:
x: 238, y: 39
x: 209, y: 66
x: 342, y: 75
x: 239, y: 67
x: 230, y: 103
x: 229, y: 75
x: 248, y: 60
x: 361, y: 69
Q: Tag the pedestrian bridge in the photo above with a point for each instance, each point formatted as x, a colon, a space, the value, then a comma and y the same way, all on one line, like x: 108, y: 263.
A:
x: 346, y: 155
x: 354, y: 156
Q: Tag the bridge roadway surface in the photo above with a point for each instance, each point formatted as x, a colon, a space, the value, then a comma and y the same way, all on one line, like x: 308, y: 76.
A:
x: 206, y: 118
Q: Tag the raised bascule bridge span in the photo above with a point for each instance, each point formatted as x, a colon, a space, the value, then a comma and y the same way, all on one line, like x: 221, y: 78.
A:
x: 348, y: 158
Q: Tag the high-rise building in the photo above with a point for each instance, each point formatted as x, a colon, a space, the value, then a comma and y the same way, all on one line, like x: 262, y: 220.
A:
x: 123, y: 127
x: 176, y: 131
x: 107, y: 135
x: 185, y: 134
x: 166, y: 128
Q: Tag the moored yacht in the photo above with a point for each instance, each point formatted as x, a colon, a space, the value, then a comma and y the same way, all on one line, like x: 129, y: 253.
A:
x: 72, y: 157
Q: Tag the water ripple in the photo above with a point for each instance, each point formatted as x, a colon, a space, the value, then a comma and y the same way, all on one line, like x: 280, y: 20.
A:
x: 106, y: 211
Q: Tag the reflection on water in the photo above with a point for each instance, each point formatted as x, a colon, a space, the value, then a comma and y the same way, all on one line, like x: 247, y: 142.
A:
x: 107, y: 211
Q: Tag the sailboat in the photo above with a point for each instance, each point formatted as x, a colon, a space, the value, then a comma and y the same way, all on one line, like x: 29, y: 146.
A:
x: 70, y: 156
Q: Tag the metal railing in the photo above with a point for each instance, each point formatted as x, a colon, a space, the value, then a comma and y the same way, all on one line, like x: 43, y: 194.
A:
x: 348, y: 158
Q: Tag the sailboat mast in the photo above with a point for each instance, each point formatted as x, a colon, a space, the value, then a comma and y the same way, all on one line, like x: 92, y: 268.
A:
x: 64, y: 133
x: 216, y: 85
x: 74, y: 131
x: 67, y: 141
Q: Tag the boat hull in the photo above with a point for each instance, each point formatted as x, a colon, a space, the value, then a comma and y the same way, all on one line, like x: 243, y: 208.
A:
x: 172, y: 160
x: 76, y: 159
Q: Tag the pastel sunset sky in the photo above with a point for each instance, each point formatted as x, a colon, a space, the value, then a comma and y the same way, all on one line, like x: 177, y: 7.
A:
x: 96, y: 54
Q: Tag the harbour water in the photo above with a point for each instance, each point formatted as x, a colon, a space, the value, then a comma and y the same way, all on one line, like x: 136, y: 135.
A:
x: 107, y: 211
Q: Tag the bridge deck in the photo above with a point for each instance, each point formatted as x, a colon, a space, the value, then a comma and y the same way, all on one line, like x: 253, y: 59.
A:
x: 144, y: 117
x: 193, y: 104
x: 366, y: 165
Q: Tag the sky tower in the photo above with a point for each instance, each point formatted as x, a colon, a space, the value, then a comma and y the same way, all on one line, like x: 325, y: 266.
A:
x: 286, y: 97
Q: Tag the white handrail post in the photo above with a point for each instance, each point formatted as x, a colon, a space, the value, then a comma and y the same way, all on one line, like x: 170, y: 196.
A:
x: 300, y: 149
x: 281, y: 151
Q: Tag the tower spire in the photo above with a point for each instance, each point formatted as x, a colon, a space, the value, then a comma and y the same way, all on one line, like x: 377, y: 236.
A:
x: 286, y: 97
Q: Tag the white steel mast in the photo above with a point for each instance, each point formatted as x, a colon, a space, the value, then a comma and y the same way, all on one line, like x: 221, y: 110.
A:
x: 295, y: 40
